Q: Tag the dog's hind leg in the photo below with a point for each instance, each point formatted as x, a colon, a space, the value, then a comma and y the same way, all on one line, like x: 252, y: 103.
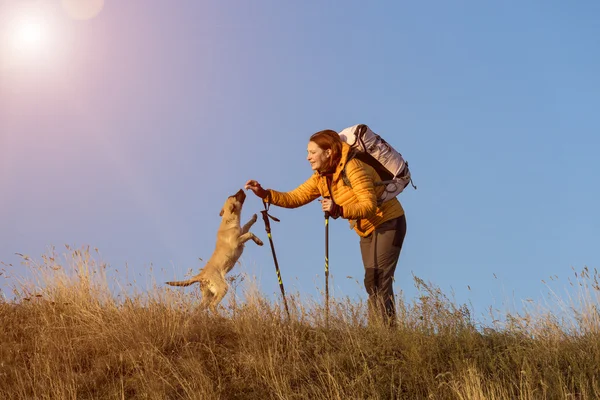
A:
x: 221, y: 288
x: 249, y: 224
x: 207, y: 298
x: 249, y: 236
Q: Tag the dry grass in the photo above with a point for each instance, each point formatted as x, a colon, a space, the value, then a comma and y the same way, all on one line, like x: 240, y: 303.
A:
x: 69, y: 333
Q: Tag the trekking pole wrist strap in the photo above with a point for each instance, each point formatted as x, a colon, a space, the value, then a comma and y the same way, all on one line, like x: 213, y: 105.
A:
x: 266, y: 216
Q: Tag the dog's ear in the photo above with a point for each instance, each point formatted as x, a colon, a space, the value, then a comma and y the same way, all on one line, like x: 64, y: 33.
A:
x: 222, y: 212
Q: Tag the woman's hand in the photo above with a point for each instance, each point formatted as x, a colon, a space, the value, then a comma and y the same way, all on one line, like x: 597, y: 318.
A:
x: 326, y: 204
x: 334, y: 210
x: 256, y: 188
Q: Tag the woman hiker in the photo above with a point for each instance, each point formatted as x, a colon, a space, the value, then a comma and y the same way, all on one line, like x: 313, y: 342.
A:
x: 381, y: 227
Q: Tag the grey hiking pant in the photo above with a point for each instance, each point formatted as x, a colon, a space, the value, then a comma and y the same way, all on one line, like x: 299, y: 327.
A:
x: 380, y: 252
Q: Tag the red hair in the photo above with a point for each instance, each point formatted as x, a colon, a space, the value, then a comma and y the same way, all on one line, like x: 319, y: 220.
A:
x: 329, y: 140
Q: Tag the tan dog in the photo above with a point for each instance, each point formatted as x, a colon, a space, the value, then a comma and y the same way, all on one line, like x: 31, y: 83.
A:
x: 231, y: 237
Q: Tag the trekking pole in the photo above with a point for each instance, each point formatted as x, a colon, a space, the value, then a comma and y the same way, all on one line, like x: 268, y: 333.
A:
x: 266, y: 216
x: 326, y: 267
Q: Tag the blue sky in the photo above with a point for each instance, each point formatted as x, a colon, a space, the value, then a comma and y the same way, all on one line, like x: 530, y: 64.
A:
x: 130, y: 132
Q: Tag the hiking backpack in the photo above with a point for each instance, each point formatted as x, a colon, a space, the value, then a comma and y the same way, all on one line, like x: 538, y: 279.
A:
x: 373, y: 150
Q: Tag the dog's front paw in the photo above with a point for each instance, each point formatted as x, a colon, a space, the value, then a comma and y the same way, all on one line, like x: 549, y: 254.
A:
x: 254, y: 217
x: 259, y: 242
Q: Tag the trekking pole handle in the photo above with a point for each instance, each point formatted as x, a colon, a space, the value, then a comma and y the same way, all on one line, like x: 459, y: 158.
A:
x: 326, y: 212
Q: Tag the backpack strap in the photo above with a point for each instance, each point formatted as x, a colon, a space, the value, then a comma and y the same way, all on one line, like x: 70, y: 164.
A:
x: 347, y: 180
x: 411, y: 182
x: 343, y: 174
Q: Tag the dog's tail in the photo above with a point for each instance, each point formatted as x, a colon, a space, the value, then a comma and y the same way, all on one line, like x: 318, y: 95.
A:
x: 185, y: 283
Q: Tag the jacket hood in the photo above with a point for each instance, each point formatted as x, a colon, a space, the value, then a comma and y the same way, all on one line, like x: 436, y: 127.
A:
x: 343, y: 160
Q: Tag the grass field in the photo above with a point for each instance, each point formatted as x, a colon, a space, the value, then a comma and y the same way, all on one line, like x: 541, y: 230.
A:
x: 69, y: 332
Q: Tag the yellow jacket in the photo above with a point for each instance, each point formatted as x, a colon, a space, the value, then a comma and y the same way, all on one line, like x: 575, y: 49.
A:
x: 358, y: 203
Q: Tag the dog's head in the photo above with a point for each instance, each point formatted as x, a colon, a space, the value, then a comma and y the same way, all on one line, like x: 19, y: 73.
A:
x: 233, y: 204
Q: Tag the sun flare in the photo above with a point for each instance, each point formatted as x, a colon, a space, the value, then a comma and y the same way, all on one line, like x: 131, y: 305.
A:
x: 82, y: 9
x: 29, y: 34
